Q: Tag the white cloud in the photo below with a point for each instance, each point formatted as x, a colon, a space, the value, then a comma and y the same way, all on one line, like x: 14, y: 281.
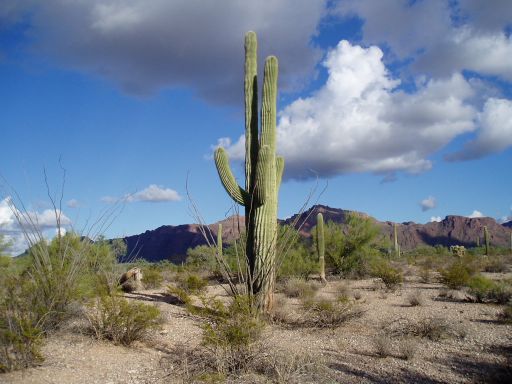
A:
x: 494, y: 134
x: 359, y: 122
x: 441, y: 38
x: 73, y: 203
x: 144, y: 46
x: 428, y: 203
x: 153, y: 193
x: 436, y: 219
x: 476, y: 214
x: 43, y: 222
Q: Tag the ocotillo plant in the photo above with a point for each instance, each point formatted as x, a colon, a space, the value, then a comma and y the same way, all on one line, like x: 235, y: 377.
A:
x: 486, y: 238
x: 263, y: 172
x: 397, y: 247
x: 320, y: 245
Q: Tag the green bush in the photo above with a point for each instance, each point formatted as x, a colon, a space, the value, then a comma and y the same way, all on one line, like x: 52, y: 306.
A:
x: 20, y: 336
x: 192, y: 283
x: 456, y: 275
x: 390, y: 276
x: 298, y: 262
x: 115, y: 318
x: 152, y: 278
x: 231, y: 333
x: 485, y: 289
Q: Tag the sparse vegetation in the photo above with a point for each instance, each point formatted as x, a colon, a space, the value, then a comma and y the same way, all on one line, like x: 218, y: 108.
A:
x: 416, y: 298
x: 296, y: 287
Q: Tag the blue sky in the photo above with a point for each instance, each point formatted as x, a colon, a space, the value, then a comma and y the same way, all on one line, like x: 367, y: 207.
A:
x: 402, y: 108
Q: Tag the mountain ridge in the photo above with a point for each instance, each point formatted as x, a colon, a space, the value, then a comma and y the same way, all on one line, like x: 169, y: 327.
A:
x: 170, y: 242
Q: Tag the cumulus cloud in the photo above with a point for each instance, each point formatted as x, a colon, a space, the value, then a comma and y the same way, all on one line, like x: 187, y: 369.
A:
x: 428, y: 203
x: 153, y: 193
x: 476, y: 214
x: 494, y: 134
x: 441, y: 38
x: 435, y: 219
x: 31, y: 220
x: 145, y: 46
x: 359, y: 121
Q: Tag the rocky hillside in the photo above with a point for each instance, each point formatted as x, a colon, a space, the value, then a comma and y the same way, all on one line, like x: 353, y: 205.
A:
x: 171, y: 242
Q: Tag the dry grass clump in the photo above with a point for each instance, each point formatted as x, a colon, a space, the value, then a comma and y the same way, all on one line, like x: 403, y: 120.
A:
x: 323, y: 313
x: 506, y: 314
x: 382, y: 345
x: 408, y: 348
x: 115, y: 318
x: 297, y: 287
x: 432, y: 328
x: 343, y: 291
x: 416, y: 298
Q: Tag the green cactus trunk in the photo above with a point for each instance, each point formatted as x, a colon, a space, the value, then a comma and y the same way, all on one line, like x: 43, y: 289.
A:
x: 219, y: 240
x: 397, y: 246
x: 320, y: 245
x: 263, y: 172
x: 486, y: 238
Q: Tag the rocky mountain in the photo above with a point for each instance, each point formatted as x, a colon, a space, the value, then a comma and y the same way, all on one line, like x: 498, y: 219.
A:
x: 171, y: 242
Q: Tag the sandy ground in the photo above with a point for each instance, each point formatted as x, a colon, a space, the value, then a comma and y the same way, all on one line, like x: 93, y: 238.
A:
x: 348, y: 353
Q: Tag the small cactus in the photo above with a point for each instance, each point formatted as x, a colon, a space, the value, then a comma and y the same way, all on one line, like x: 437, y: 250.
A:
x: 320, y: 245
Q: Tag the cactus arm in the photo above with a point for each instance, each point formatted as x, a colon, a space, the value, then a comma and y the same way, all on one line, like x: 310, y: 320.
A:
x: 251, y: 108
x: 227, y: 178
x: 268, y: 110
x: 279, y: 171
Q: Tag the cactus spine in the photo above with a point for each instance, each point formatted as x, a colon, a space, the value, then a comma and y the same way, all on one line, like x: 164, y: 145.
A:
x: 320, y: 245
x: 397, y: 246
x: 486, y: 237
x: 263, y: 172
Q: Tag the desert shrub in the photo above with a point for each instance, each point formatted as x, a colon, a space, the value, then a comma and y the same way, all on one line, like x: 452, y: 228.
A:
x: 390, y: 276
x: 343, y: 292
x: 407, y: 348
x: 192, y: 283
x: 506, y: 314
x: 416, y: 298
x: 231, y: 333
x: 432, y: 328
x: 115, y: 318
x: 323, y: 313
x: 495, y: 264
x: 382, y: 345
x: 152, y: 278
x: 484, y: 289
x: 297, y: 287
x: 297, y: 262
x: 21, y: 337
x: 456, y: 275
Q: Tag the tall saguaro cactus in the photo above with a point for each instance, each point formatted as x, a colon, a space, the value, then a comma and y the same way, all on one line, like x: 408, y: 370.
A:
x: 320, y: 245
x: 486, y: 238
x: 263, y: 172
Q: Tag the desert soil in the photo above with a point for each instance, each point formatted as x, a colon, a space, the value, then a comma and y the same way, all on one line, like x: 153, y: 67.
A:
x: 348, y: 353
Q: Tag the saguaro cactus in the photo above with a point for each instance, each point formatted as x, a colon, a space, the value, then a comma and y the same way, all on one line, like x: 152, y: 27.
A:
x: 219, y: 240
x: 397, y: 246
x: 320, y: 245
x: 263, y: 172
x: 486, y: 238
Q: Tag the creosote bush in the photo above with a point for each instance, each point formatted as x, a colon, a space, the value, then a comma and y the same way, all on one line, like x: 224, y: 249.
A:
x: 390, y: 276
x: 456, y: 275
x: 121, y: 321
x: 152, y: 278
x: 484, y: 289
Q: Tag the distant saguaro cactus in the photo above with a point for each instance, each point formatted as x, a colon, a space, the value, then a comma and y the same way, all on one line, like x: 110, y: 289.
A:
x: 486, y: 238
x: 320, y: 245
x: 397, y: 246
x: 263, y: 172
x: 219, y: 240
